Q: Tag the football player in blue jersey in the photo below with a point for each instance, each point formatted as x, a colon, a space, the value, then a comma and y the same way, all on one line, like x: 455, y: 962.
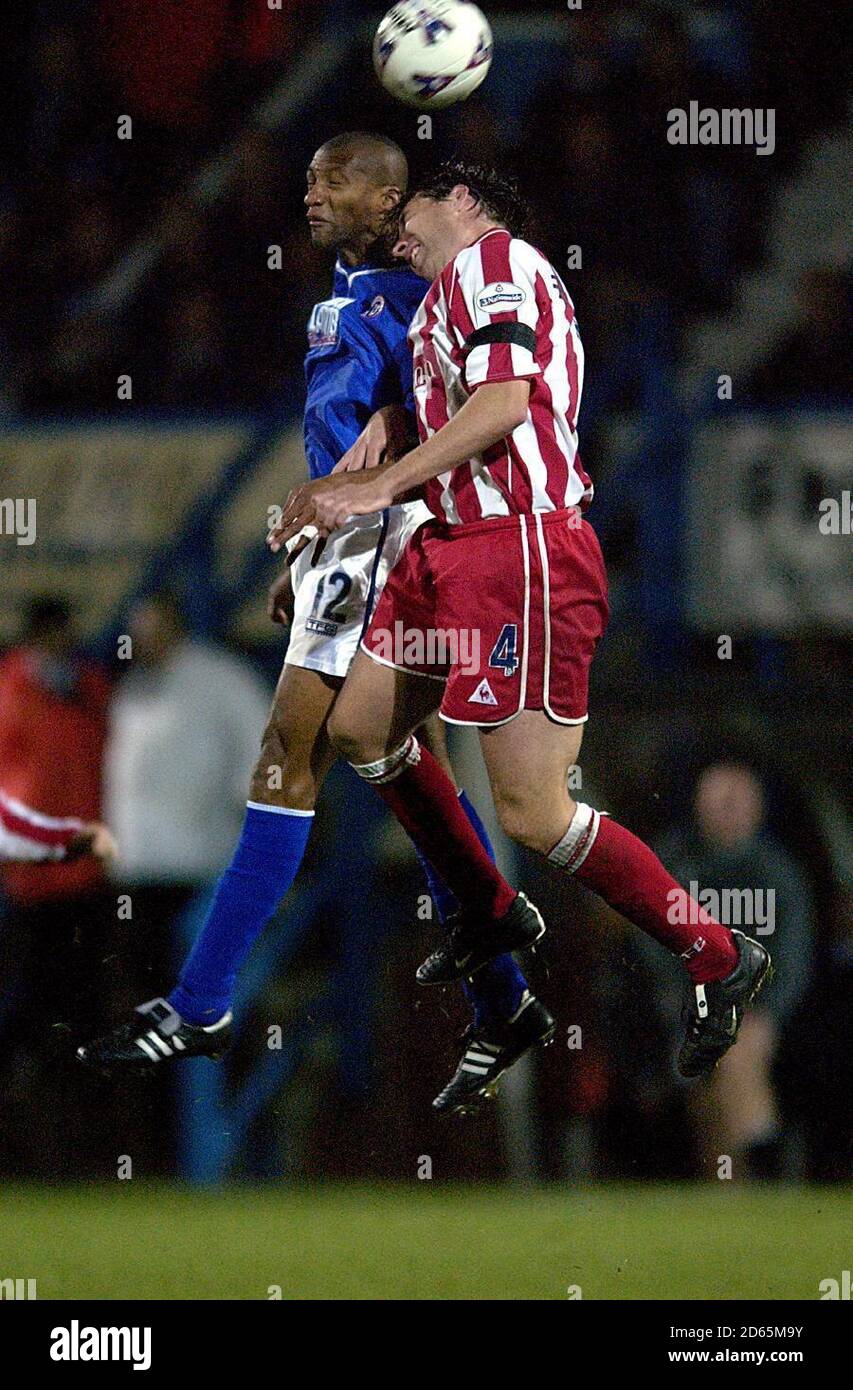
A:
x: 358, y: 363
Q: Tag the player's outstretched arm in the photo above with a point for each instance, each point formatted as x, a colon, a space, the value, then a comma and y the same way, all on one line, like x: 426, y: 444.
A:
x: 319, y: 508
x: 493, y: 412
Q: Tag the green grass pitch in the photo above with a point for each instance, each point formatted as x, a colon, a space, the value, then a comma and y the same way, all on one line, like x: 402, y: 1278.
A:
x: 425, y: 1241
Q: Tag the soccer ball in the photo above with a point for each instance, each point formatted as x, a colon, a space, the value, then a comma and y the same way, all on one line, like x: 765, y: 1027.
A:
x: 432, y: 54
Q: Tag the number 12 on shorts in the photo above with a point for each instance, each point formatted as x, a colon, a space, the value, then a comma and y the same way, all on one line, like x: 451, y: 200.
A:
x: 505, y: 651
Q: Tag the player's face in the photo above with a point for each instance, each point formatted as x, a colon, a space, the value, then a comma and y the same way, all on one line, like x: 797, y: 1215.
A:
x: 429, y: 236
x: 344, y: 207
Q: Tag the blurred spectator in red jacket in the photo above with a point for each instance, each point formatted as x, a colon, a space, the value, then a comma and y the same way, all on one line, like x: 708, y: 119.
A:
x: 62, y: 953
x: 53, y: 706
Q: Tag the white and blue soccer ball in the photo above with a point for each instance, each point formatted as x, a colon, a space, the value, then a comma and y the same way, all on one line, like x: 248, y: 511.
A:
x: 434, y: 53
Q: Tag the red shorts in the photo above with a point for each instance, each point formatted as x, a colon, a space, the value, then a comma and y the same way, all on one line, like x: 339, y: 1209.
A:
x: 507, y: 611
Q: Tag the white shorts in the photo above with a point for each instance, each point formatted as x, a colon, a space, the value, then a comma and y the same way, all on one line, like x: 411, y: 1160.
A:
x: 333, y: 601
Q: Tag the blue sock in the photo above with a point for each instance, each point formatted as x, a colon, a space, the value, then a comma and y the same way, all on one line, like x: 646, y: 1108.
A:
x: 265, y: 863
x: 496, y: 991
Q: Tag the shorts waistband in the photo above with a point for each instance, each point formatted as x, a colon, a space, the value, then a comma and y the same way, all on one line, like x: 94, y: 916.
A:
x: 507, y: 523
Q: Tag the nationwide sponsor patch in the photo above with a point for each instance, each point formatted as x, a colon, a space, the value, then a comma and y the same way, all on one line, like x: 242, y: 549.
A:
x: 500, y: 298
x: 374, y: 308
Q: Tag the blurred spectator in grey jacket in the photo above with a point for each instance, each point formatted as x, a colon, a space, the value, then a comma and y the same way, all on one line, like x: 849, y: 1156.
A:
x: 743, y: 874
x: 185, y: 723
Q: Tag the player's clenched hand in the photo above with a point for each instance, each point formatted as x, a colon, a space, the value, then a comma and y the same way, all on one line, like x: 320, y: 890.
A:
x: 280, y: 599
x: 385, y: 436
x: 321, y: 507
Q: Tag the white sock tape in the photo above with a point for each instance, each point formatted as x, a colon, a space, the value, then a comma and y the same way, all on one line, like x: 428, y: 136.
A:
x: 386, y: 769
x: 570, y: 852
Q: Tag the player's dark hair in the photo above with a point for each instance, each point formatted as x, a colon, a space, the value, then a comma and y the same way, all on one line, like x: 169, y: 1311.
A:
x: 497, y: 194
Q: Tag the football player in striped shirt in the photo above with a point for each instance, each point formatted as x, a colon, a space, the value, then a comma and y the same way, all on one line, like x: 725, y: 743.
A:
x: 508, y: 557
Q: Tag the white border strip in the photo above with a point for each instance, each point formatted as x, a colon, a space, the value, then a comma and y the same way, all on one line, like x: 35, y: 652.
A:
x: 546, y: 591
x: 525, y: 551
x: 407, y: 670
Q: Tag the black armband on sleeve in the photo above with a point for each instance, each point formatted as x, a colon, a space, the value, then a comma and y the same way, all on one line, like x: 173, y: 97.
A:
x: 519, y: 334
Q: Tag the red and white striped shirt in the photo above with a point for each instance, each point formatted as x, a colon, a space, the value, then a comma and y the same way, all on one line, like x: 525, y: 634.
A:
x: 28, y: 835
x: 500, y: 312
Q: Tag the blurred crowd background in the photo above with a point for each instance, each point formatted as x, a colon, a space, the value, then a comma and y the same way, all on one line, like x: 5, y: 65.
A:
x: 583, y: 133
x: 149, y: 256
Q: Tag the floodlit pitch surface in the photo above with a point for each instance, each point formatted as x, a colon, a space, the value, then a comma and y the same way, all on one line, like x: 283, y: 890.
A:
x: 428, y: 1241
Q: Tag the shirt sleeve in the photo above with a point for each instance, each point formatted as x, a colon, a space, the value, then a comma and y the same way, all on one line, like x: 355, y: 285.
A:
x: 26, y: 835
x: 500, y: 310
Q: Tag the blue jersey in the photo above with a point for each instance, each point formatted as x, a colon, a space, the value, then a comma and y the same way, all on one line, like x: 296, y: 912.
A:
x: 358, y: 357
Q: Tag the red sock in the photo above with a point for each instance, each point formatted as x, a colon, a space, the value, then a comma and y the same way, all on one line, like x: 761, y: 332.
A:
x: 426, y: 804
x: 606, y: 857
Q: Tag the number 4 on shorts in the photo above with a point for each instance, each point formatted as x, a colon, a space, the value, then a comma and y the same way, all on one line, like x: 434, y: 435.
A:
x: 505, y: 651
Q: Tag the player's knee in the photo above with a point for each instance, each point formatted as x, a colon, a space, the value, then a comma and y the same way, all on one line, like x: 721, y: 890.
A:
x: 515, y: 815
x: 529, y: 822
x: 523, y: 832
x: 281, y: 777
x: 347, y: 737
